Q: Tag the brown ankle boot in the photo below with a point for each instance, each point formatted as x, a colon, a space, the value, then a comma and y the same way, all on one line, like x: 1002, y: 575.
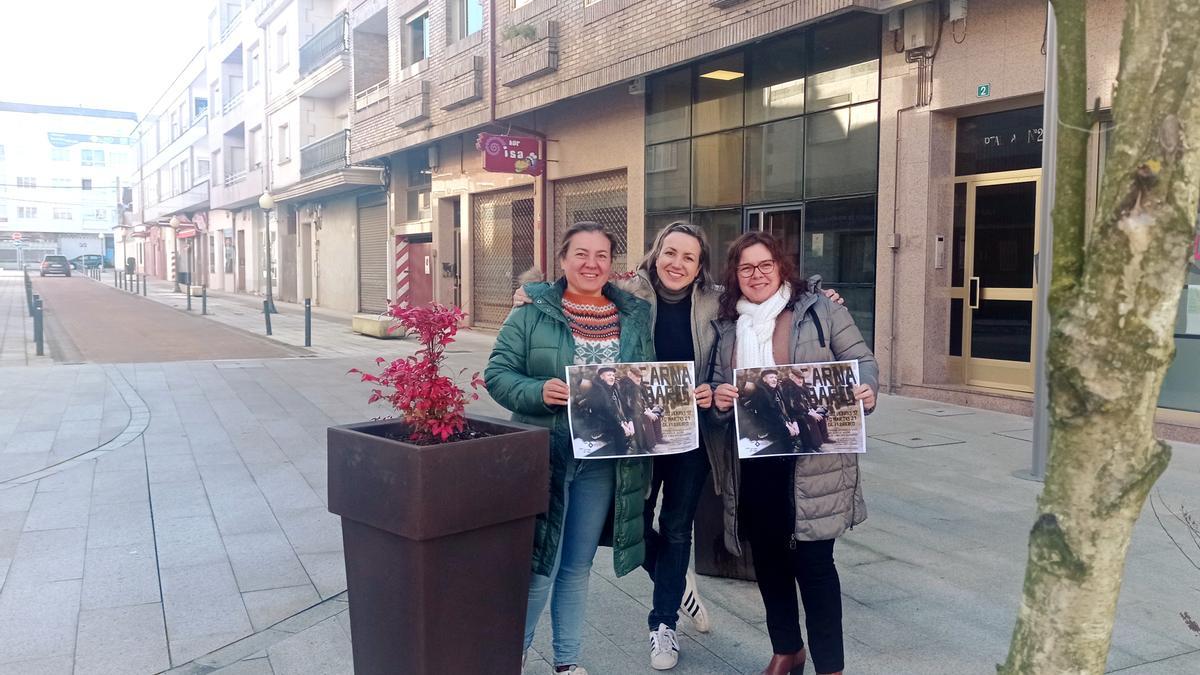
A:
x: 786, y: 664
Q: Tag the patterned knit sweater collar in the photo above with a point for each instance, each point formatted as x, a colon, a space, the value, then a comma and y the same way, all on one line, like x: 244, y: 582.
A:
x: 596, y: 326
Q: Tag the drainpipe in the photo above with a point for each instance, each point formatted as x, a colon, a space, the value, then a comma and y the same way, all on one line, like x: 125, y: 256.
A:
x: 894, y: 244
x: 541, y: 183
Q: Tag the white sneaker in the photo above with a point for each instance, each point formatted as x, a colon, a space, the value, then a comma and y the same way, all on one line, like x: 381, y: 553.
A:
x: 572, y: 670
x: 693, y: 606
x: 664, y: 649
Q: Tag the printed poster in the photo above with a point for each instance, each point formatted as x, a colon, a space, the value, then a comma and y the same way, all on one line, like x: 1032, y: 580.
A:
x: 633, y: 409
x: 799, y: 409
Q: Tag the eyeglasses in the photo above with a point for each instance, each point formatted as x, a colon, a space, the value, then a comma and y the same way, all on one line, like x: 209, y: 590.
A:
x: 767, y: 267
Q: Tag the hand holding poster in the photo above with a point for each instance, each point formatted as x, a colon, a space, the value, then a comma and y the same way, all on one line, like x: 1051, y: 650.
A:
x: 631, y: 409
x: 803, y: 408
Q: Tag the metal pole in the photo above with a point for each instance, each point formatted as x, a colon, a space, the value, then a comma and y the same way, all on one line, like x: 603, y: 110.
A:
x: 204, y: 299
x: 189, y: 295
x: 175, y: 256
x: 307, y: 322
x: 137, y: 284
x: 267, y: 315
x: 1044, y: 261
x: 143, y: 285
x: 37, y: 325
x: 267, y: 226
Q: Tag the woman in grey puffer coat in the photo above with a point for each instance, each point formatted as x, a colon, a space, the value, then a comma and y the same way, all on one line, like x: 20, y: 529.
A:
x: 790, y: 509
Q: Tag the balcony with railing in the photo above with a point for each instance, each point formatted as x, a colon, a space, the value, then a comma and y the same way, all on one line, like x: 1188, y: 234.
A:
x: 327, y: 154
x: 330, y: 41
x: 370, y: 96
x: 237, y: 189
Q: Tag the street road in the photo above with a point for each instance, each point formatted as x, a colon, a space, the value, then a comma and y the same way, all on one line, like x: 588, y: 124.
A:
x: 89, y: 321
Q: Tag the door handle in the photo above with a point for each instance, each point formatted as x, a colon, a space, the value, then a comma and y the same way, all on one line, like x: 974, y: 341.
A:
x: 973, y: 293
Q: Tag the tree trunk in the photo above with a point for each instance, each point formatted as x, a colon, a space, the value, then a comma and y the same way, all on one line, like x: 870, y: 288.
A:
x: 1112, y: 309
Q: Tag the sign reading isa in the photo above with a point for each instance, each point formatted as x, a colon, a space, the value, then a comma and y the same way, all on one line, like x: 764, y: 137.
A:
x: 511, y: 154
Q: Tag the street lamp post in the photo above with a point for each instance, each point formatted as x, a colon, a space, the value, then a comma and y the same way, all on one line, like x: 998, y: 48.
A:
x: 174, y: 223
x: 266, y: 202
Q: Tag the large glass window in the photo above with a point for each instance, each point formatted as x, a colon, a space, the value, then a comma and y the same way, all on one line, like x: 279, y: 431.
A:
x: 775, y: 162
x: 1003, y: 141
x: 842, y: 152
x: 669, y: 106
x: 719, y: 85
x: 721, y: 228
x: 717, y: 170
x: 668, y: 176
x: 845, y: 64
x: 775, y: 84
x: 839, y: 244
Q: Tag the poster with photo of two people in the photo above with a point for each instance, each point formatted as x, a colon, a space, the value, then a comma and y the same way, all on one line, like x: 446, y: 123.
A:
x: 631, y: 409
x: 802, y: 408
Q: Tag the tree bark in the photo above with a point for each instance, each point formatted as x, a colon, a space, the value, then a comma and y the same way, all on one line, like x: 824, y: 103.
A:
x: 1112, y: 311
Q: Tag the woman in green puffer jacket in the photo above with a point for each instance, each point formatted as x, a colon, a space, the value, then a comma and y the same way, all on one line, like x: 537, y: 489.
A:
x: 581, y: 319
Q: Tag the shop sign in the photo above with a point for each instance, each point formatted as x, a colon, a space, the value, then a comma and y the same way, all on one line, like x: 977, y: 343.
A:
x: 511, y: 154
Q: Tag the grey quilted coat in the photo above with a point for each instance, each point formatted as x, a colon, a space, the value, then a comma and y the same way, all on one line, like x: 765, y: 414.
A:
x: 828, y: 489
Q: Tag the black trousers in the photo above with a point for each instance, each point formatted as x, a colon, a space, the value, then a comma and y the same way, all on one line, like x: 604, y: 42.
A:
x: 782, y: 565
x: 810, y: 565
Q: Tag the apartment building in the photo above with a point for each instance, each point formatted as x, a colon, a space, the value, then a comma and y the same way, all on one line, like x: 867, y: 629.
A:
x: 894, y: 144
x: 60, y: 180
x: 166, y: 231
x: 319, y: 196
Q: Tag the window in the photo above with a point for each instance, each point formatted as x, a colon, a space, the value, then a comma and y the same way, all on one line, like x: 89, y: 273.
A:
x: 62, y: 214
x: 255, y: 145
x: 669, y: 107
x: 60, y: 154
x: 520, y: 3
x: 775, y: 162
x: 775, y: 83
x: 26, y: 182
x: 91, y: 157
x: 668, y: 176
x: 845, y: 67
x: 414, y: 42
x: 95, y: 214
x: 27, y: 212
x: 284, y: 144
x: 842, y: 150
x: 199, y: 107
x: 202, y: 168
x: 463, y: 18
x: 174, y: 125
x: 717, y: 170
x: 86, y: 184
x: 281, y: 48
x: 719, y: 94
x: 254, y: 74
x: 185, y: 175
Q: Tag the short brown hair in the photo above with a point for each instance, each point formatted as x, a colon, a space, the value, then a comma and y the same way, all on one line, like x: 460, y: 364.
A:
x: 585, y: 226
x: 788, y: 272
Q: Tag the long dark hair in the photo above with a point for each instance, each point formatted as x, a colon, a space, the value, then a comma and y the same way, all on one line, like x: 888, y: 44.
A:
x: 649, y: 263
x: 788, y: 273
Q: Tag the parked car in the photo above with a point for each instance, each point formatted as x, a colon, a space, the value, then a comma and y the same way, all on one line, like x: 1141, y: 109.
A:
x: 87, y: 261
x: 56, y: 264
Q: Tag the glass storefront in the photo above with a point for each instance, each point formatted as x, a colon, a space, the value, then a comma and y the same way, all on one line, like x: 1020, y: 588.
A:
x: 782, y: 136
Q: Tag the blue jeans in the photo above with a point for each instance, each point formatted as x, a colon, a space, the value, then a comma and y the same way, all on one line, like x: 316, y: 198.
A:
x: 668, y: 550
x: 589, y: 489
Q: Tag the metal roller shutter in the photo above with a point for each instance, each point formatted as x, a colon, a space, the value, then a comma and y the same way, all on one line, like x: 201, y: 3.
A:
x: 501, y: 250
x: 601, y: 197
x: 372, y: 257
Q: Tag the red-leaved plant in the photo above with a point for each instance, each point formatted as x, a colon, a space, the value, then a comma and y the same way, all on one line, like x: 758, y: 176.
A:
x: 430, y: 403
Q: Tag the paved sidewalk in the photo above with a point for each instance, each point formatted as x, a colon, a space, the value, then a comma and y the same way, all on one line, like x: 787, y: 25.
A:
x: 198, y: 538
x: 16, y: 327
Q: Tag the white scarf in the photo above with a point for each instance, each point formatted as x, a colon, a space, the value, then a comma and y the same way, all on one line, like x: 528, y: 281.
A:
x: 756, y: 325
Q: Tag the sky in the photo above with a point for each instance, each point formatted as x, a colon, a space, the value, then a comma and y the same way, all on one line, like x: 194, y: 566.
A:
x: 113, y: 54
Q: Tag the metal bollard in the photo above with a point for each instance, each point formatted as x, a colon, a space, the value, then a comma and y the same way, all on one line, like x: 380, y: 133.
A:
x: 137, y: 283
x: 143, y: 285
x: 307, y: 322
x: 115, y: 277
x: 37, y: 325
x: 188, y: 289
x: 267, y: 316
x: 204, y: 300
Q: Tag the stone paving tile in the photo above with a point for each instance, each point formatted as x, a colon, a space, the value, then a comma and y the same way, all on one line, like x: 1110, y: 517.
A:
x: 126, y: 524
x: 324, y: 648
x: 48, y: 555
x: 327, y: 571
x: 59, y: 665
x: 38, y: 622
x: 268, y: 607
x: 284, y: 486
x: 200, y: 602
x: 117, y: 487
x: 53, y: 511
x: 121, y: 639
x: 119, y: 576
x: 264, y: 560
x: 30, y: 441
x: 179, y: 500
x: 172, y: 468
x: 312, y: 530
x: 184, y: 649
x: 188, y: 542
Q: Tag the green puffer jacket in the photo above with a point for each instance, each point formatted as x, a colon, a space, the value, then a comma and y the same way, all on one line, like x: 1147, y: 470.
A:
x: 536, y: 344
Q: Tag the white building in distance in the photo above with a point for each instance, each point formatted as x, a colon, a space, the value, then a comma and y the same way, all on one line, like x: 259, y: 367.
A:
x: 61, y: 172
